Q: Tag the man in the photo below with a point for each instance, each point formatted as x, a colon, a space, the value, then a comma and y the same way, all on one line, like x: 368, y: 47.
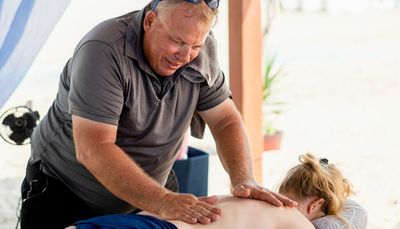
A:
x: 125, y: 100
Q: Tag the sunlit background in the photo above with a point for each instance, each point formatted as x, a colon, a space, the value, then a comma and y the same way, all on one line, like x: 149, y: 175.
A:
x: 339, y: 89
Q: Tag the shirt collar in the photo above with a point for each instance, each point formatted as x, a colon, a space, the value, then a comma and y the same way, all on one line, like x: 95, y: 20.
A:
x: 206, y: 63
x: 134, y: 32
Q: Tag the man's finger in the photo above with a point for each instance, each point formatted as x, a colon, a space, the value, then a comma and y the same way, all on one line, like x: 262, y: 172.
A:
x: 208, y: 216
x: 285, y: 200
x: 266, y: 195
x: 208, y: 202
x: 241, y: 191
x: 209, y: 199
x: 209, y: 210
x: 188, y: 219
x: 194, y: 212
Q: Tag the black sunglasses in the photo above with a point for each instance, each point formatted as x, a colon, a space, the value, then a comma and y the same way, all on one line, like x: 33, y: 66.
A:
x: 213, y: 4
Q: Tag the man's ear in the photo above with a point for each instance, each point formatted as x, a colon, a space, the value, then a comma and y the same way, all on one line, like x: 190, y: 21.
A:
x: 149, y: 20
x: 315, y: 206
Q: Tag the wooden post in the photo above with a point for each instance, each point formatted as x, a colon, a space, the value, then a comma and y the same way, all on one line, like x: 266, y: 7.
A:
x: 245, y: 48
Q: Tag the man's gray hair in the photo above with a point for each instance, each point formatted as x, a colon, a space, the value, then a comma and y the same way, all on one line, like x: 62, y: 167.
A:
x: 202, y: 11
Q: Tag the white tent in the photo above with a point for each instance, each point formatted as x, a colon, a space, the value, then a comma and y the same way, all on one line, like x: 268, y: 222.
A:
x: 24, y: 28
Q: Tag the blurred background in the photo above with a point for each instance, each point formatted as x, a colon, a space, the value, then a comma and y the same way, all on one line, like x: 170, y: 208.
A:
x: 336, y: 93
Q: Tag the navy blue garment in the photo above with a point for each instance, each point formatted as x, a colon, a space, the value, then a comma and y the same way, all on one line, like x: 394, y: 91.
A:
x: 124, y: 221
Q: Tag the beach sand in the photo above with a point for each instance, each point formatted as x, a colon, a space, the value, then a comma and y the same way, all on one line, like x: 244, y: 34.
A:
x: 341, y: 94
x: 341, y: 90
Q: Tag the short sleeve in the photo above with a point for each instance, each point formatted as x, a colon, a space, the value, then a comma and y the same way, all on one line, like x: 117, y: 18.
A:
x: 96, y: 91
x: 211, y: 96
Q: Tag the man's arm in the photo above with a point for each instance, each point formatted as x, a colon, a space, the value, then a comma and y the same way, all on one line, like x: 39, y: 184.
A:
x: 96, y: 150
x: 233, y: 148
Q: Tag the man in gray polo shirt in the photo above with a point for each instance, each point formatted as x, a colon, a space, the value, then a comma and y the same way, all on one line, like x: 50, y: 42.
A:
x: 126, y: 97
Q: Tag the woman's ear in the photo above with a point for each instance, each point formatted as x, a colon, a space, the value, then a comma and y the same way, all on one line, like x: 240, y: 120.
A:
x: 315, y: 207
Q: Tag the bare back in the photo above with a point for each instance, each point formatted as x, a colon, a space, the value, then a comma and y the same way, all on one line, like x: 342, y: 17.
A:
x: 238, y: 213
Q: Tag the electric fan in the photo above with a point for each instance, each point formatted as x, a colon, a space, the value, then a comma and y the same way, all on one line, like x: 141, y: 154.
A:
x: 17, y: 125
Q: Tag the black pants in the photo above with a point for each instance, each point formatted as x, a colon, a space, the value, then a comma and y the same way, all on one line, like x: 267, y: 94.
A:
x: 48, y: 203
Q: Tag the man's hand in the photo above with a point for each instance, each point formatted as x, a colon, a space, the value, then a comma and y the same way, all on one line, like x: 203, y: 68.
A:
x: 188, y: 208
x: 254, y: 191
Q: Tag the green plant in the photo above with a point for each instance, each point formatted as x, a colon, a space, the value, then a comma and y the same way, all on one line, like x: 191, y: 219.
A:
x: 272, y: 109
x: 273, y: 7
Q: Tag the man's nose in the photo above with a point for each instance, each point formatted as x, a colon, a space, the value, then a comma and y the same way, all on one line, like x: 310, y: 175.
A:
x: 184, y: 54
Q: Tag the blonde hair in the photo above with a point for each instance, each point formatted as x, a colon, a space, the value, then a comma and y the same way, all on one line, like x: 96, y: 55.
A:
x: 205, y: 14
x: 317, y: 177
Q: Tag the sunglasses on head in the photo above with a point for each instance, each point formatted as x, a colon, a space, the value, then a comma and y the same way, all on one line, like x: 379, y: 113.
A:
x: 213, y: 4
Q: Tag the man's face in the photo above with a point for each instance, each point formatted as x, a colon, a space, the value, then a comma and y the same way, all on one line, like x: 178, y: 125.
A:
x: 172, y: 41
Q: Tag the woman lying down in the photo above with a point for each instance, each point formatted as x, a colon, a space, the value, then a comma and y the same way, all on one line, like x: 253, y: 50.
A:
x: 318, y: 187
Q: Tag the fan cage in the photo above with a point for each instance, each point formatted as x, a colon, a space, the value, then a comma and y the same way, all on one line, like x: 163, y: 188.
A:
x: 5, y: 130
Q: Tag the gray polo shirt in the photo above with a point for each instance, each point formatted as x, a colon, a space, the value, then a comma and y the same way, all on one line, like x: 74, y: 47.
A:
x: 108, y: 80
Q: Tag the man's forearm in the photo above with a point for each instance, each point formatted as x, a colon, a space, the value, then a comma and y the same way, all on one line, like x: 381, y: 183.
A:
x: 123, y: 177
x: 234, y: 149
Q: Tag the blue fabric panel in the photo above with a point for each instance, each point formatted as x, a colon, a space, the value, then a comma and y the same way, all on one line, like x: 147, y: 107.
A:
x: 127, y: 221
x: 1, y: 5
x: 14, y: 35
x: 29, y: 25
x: 16, y: 30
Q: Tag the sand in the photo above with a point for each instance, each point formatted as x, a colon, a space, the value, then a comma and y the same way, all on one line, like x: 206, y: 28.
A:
x: 341, y: 90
